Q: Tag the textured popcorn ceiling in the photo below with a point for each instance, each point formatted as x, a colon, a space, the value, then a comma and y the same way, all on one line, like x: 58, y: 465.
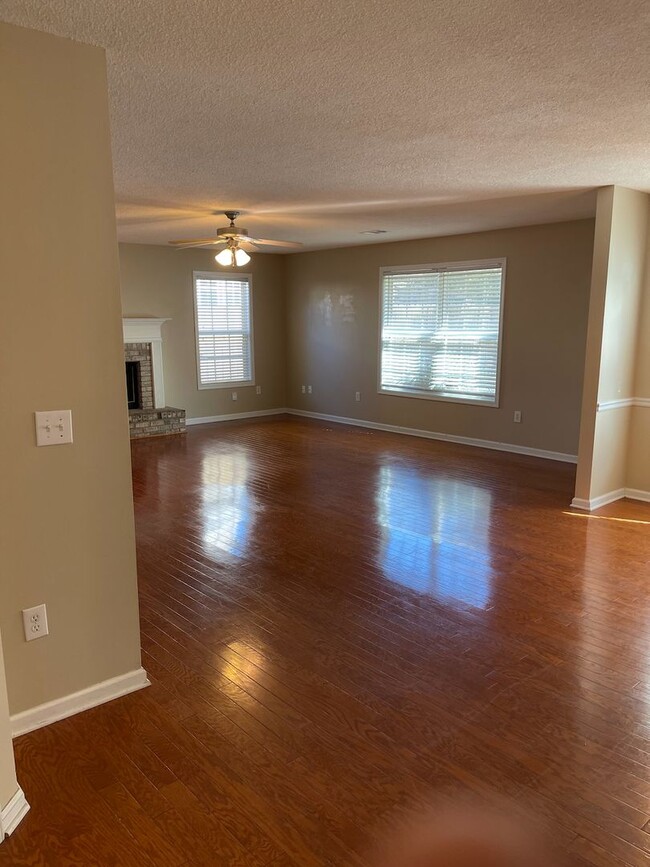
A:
x: 325, y: 118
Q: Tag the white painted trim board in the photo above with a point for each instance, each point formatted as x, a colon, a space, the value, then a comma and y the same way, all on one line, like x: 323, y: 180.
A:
x: 610, y: 497
x: 13, y: 813
x: 443, y: 437
x: 391, y: 428
x: 623, y: 402
x: 84, y: 699
x: 636, y: 494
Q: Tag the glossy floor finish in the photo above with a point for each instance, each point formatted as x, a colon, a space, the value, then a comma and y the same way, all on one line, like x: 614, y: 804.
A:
x: 341, y: 623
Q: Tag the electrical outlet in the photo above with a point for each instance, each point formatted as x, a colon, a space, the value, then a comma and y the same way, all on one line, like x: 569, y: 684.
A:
x: 35, y: 622
x: 517, y: 416
x: 258, y: 389
x: 357, y: 396
x: 303, y: 388
x: 309, y: 389
x: 234, y: 395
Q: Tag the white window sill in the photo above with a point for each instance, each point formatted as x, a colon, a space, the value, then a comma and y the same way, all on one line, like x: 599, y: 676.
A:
x: 441, y: 396
x: 238, y: 383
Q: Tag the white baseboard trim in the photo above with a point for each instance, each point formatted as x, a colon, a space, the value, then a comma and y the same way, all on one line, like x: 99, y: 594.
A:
x: 636, y: 494
x: 597, y: 502
x: 233, y: 416
x: 431, y: 435
x: 13, y: 813
x: 611, y: 497
x: 60, y: 708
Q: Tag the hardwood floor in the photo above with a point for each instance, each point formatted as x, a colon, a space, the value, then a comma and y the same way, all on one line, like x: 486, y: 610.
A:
x: 340, y: 623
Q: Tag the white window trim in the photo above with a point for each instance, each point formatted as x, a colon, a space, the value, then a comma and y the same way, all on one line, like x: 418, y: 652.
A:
x: 443, y: 266
x: 211, y: 275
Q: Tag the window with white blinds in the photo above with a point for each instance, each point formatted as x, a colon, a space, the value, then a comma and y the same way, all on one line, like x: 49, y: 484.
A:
x: 441, y: 331
x: 222, y: 307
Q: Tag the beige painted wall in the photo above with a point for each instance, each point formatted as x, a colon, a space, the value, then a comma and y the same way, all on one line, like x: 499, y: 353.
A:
x: 8, y: 782
x: 625, y: 282
x: 157, y: 281
x: 66, y: 530
x: 611, y: 357
x: 333, y: 325
x: 638, y: 470
x: 610, y: 457
x: 602, y: 232
x: 638, y: 465
x: 642, y: 372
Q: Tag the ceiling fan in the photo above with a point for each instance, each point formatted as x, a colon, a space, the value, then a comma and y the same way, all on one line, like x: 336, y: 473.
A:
x: 235, y: 241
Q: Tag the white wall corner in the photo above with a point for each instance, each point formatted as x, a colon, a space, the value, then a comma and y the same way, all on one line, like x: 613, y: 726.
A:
x: 13, y: 813
x: 68, y: 705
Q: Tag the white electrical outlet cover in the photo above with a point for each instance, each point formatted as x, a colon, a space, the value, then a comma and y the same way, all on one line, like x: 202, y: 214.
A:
x: 35, y: 622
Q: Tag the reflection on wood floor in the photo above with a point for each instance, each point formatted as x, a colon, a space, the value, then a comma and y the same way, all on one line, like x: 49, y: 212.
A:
x: 339, y: 623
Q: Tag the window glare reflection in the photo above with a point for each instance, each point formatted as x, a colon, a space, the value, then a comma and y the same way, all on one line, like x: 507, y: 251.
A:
x: 435, y: 535
x: 227, y: 507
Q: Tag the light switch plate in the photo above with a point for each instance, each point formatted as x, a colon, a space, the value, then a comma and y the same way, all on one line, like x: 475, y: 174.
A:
x: 53, y: 428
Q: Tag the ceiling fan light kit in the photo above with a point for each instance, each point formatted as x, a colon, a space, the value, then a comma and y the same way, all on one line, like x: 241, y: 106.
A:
x: 232, y: 256
x: 236, y: 240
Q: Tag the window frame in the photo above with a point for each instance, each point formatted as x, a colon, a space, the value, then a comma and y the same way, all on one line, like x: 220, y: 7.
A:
x: 220, y: 275
x: 473, y: 265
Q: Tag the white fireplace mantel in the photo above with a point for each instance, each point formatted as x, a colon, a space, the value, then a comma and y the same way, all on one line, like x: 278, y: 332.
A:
x: 149, y: 330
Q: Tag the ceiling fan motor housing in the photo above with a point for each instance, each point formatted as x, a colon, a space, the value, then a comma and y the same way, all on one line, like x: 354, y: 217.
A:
x: 231, y: 231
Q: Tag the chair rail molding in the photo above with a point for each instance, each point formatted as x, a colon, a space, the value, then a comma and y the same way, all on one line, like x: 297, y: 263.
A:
x: 605, y: 405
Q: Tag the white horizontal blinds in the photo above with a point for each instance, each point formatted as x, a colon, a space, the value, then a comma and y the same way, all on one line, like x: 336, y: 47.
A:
x: 409, y: 318
x: 440, y: 332
x: 223, y: 321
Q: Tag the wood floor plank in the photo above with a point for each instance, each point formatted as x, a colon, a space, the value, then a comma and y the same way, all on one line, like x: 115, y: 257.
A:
x: 340, y: 625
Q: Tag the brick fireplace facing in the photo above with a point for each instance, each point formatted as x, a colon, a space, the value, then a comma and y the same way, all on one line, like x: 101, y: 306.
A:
x: 148, y: 414
x: 140, y: 354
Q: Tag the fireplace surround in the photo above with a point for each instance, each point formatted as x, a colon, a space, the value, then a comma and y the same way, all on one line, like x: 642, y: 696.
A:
x: 148, y: 414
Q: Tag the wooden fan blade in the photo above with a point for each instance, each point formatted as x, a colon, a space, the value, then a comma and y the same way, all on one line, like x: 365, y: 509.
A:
x: 198, y: 242
x: 264, y: 242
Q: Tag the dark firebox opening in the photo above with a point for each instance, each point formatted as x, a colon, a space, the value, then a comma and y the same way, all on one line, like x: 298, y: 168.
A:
x: 133, y: 394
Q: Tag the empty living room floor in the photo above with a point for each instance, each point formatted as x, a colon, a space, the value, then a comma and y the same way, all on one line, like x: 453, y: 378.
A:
x: 340, y: 624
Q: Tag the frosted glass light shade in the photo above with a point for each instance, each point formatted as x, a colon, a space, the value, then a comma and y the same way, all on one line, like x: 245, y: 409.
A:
x: 226, y: 257
x: 241, y: 257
